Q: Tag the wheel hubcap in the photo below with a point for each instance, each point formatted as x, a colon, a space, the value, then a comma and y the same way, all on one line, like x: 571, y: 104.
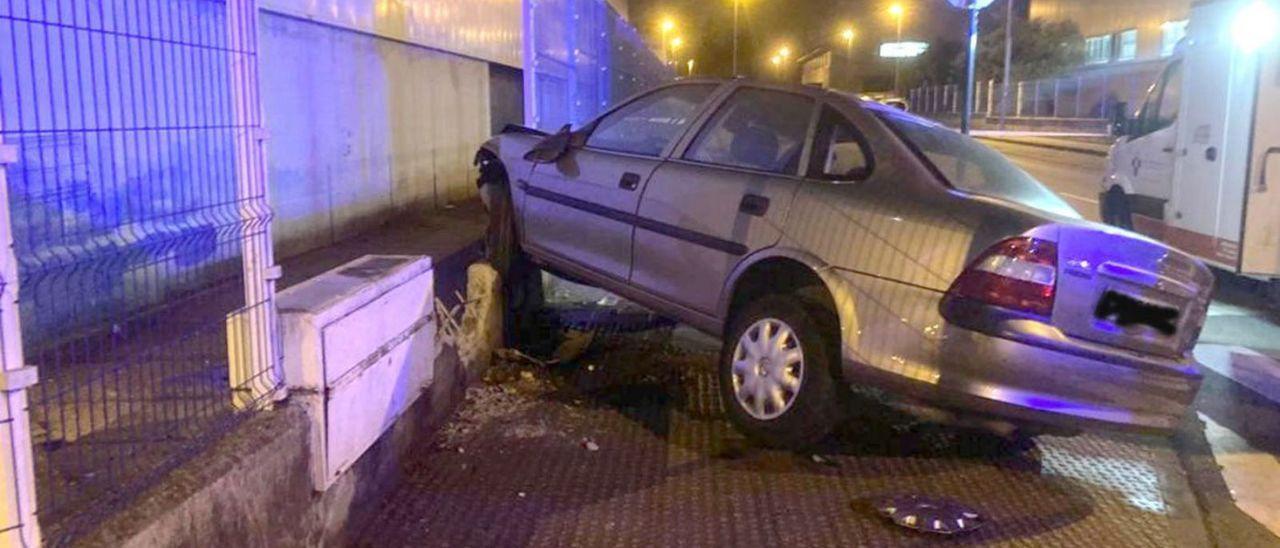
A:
x: 768, y: 367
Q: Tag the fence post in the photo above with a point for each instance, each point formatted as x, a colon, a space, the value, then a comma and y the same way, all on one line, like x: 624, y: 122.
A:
x: 1057, y: 100
x: 1079, y: 91
x: 1035, y: 101
x: 253, y: 341
x: 1106, y: 96
x: 991, y: 94
x: 955, y: 98
x: 1018, y: 108
x: 18, y: 523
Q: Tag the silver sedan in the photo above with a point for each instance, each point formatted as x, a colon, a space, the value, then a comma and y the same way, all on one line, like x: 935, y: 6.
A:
x: 836, y: 243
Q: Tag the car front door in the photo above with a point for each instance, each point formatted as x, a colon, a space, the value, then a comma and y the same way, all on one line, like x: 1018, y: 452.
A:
x: 725, y: 197
x: 580, y: 209
x: 1156, y: 142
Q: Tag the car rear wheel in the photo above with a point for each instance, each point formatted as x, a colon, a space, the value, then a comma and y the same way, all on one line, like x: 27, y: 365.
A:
x: 776, y: 373
x: 521, y: 279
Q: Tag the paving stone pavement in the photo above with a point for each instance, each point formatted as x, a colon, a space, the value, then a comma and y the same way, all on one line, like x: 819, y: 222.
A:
x: 515, y: 467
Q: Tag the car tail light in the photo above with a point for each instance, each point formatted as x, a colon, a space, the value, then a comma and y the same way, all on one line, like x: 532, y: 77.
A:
x: 1018, y: 274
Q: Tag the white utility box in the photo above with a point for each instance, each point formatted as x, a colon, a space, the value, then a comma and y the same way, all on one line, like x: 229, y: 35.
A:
x: 359, y: 348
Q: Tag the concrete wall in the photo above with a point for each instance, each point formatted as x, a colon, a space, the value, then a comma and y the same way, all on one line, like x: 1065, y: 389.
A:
x: 482, y: 29
x: 364, y: 127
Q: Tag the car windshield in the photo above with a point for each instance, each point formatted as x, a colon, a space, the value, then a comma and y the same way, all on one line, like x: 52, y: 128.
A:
x: 972, y: 167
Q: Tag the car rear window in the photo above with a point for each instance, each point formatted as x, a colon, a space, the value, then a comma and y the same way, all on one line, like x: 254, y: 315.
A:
x: 970, y: 166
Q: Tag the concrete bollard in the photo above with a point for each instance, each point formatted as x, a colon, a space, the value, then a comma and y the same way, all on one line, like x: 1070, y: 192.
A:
x: 481, y: 332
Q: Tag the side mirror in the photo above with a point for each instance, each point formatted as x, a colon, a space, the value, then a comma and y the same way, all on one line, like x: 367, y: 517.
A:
x: 1121, y: 124
x: 554, y: 147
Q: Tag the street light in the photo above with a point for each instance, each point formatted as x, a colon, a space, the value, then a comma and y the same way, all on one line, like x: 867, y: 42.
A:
x: 690, y: 68
x: 667, y: 26
x: 848, y: 35
x: 897, y: 11
x: 784, y: 52
x: 675, y: 49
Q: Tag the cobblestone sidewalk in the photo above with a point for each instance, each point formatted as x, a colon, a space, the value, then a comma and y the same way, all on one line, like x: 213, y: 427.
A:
x: 629, y: 447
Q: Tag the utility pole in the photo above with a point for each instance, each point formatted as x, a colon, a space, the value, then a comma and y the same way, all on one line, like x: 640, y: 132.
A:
x: 897, y: 61
x: 1008, y: 61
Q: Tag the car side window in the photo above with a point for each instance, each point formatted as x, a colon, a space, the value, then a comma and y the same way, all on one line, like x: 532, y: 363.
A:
x: 840, y: 151
x: 647, y: 125
x: 1160, y: 110
x: 756, y: 129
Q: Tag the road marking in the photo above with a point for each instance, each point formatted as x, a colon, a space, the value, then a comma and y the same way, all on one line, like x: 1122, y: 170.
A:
x: 1078, y: 197
x: 1250, y: 474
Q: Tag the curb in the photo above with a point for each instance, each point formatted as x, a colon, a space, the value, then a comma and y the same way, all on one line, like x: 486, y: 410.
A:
x: 1063, y: 148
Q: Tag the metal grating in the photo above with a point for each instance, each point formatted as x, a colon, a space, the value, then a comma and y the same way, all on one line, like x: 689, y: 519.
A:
x: 142, y: 235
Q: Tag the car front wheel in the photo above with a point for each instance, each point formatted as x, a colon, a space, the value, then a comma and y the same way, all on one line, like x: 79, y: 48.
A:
x: 776, y: 373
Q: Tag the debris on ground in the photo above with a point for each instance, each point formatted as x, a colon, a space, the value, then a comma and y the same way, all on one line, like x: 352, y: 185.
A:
x: 825, y: 461
x: 590, y: 444
x: 575, y: 344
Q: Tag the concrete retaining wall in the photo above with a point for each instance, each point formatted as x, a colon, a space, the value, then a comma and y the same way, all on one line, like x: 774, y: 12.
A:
x: 363, y: 128
x: 254, y: 488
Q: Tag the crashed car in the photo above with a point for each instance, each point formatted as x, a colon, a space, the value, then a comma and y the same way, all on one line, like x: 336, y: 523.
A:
x: 834, y: 243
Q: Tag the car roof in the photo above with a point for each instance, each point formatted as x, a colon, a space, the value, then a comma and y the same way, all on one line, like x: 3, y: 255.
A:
x: 811, y: 91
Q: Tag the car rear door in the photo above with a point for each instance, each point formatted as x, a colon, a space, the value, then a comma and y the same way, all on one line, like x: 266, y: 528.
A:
x: 725, y: 197
x: 581, y: 208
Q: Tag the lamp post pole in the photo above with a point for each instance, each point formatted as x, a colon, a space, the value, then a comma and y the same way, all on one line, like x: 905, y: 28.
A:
x: 897, y: 61
x: 969, y: 67
x: 735, y: 37
x: 1008, y: 62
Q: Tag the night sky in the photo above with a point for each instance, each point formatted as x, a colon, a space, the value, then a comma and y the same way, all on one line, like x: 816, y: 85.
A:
x: 707, y: 28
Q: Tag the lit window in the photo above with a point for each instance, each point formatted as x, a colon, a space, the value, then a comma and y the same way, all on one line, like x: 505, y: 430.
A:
x: 1097, y: 49
x: 1172, y: 33
x: 1128, y: 45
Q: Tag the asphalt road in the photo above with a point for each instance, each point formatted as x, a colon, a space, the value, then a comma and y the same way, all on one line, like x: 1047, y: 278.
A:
x: 1074, y: 176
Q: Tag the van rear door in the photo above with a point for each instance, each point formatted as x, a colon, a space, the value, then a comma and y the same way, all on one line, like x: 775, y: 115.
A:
x: 1262, y: 215
x: 1205, y: 213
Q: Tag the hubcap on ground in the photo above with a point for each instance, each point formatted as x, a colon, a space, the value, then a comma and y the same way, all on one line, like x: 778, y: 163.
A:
x: 768, y: 367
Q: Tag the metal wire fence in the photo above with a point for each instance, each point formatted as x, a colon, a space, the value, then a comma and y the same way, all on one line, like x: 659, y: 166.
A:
x: 1096, y: 96
x: 139, y: 222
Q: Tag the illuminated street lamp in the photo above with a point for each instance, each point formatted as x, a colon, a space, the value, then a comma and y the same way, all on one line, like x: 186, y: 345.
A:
x: 667, y: 26
x: 690, y: 73
x: 784, y: 52
x: 1256, y: 25
x: 848, y: 35
x: 675, y: 51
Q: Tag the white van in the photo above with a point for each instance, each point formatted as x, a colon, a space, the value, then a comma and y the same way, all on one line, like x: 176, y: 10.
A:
x: 1199, y: 165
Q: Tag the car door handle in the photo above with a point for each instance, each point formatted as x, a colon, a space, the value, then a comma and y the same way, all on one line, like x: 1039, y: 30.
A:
x: 629, y: 181
x: 1167, y: 149
x: 755, y: 205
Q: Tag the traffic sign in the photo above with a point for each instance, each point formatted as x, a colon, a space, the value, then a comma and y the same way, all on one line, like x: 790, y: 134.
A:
x: 970, y: 4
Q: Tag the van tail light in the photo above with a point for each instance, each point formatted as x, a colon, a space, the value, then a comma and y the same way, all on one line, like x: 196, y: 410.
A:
x: 1018, y: 274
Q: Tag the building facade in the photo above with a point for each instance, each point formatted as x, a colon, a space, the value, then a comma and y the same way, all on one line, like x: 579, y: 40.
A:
x: 1126, y: 42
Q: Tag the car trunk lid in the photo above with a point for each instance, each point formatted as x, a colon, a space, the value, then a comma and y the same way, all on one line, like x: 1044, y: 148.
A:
x: 1127, y: 291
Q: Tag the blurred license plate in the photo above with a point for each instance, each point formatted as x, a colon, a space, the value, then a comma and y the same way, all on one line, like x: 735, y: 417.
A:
x: 1124, y: 311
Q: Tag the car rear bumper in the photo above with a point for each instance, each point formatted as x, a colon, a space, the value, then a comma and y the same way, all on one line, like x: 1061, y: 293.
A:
x: 1046, y: 380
